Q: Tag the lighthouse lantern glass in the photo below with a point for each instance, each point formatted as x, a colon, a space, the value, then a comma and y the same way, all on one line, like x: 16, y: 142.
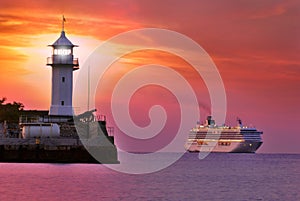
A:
x: 62, y: 51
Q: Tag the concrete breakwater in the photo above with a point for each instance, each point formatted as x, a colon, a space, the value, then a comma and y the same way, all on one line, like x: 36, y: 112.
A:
x: 53, y: 151
x: 88, y: 143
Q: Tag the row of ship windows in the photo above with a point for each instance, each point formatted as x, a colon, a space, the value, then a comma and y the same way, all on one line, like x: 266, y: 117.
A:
x: 202, y: 143
x: 228, y: 138
x: 213, y: 134
x: 224, y: 143
x: 219, y: 143
x: 226, y: 134
x: 225, y: 137
x: 224, y: 131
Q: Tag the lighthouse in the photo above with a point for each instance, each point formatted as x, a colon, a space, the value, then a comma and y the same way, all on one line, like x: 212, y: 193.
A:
x: 63, y: 64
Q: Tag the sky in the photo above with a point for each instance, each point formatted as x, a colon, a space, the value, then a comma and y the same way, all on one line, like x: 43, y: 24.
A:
x: 254, y: 44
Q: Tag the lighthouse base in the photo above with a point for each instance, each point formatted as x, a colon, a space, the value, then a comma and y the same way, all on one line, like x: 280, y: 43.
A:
x: 58, y: 110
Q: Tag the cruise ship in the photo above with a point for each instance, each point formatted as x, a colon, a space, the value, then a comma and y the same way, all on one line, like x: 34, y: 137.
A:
x: 212, y: 138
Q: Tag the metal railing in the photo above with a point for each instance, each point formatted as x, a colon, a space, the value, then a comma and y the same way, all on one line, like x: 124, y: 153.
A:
x: 65, y: 59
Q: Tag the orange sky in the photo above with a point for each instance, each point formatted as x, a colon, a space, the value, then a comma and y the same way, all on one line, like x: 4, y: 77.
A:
x: 255, y: 45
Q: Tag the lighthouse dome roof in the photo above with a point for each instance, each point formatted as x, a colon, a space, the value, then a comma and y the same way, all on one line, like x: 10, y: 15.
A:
x: 63, y: 41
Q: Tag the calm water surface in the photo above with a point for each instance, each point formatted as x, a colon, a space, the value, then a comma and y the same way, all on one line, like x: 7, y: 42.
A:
x: 217, y: 177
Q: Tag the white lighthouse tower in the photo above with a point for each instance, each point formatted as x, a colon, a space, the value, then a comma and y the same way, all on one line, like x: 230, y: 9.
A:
x: 63, y: 64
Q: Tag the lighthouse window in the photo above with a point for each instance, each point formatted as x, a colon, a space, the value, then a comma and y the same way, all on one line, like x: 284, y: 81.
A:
x: 62, y: 51
x: 63, y: 79
x: 62, y: 102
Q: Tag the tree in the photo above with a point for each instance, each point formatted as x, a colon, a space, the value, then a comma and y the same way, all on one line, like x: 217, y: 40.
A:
x: 10, y: 112
x: 3, y: 100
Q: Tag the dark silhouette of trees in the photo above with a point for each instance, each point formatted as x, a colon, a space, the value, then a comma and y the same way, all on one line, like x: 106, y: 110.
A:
x: 10, y: 112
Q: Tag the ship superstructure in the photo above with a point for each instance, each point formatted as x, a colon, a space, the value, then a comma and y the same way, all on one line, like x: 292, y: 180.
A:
x: 212, y: 138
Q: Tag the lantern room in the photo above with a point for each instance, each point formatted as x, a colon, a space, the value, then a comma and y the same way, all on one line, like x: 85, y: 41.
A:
x: 63, y: 52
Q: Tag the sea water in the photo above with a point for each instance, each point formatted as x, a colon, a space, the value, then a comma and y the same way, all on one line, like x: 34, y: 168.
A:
x: 217, y: 177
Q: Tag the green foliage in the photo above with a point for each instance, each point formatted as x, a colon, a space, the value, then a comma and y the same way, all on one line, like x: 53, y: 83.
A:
x: 10, y: 112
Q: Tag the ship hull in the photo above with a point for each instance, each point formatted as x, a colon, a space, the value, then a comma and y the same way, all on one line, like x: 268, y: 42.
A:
x: 233, y: 147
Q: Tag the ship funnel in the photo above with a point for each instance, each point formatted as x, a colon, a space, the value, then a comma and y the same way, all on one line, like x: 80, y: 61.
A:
x: 240, y: 123
x: 210, y: 121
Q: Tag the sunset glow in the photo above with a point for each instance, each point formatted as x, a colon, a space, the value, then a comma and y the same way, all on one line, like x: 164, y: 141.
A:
x: 254, y: 44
